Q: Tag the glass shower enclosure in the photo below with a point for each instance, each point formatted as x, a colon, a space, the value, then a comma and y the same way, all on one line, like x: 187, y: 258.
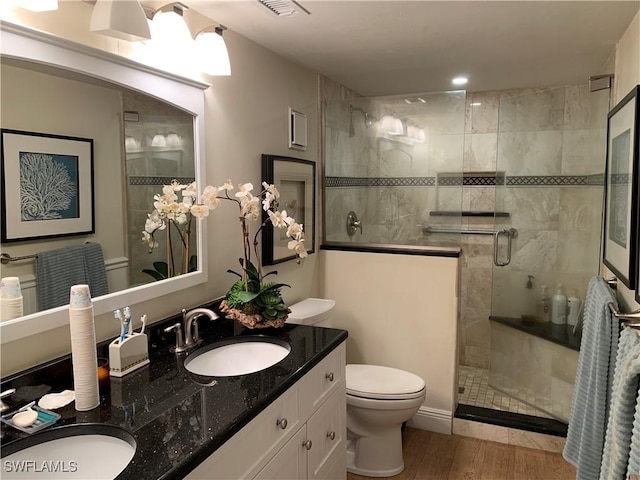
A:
x: 392, y: 165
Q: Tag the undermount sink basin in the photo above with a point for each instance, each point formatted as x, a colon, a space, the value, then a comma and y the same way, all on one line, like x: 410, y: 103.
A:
x: 87, y: 451
x: 237, y: 356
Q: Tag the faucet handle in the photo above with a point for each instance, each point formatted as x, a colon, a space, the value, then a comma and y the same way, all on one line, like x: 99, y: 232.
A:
x: 177, y: 327
x: 6, y: 393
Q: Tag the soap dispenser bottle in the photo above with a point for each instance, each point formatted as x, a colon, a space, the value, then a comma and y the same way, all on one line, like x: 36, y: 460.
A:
x: 559, y: 307
x: 573, y: 303
x: 544, y: 309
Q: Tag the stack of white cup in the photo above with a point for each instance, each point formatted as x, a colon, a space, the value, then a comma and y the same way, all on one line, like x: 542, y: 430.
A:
x: 83, y: 348
x: 10, y: 298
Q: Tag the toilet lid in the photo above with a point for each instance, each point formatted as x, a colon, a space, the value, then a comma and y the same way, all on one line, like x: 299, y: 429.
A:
x: 377, y: 382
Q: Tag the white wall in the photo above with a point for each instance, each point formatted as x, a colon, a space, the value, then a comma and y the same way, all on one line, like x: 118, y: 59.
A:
x: 246, y: 115
x: 400, y: 311
x: 627, y: 76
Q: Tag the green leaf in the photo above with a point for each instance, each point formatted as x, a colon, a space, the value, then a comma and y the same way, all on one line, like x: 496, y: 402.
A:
x: 269, y: 287
x: 235, y: 273
x: 247, y: 297
x: 275, y: 272
x: 193, y: 263
x: 156, y: 275
x: 162, y: 268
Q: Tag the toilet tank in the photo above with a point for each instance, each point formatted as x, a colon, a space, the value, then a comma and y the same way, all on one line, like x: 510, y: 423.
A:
x: 311, y: 311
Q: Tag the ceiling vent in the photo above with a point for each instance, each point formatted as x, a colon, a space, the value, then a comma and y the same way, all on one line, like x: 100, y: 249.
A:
x: 284, y: 8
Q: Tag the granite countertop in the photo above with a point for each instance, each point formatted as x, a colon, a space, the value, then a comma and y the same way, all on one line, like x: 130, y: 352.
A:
x: 178, y: 419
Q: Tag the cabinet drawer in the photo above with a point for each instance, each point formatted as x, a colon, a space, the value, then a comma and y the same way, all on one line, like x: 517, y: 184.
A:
x: 244, y: 454
x: 327, y: 429
x: 322, y: 381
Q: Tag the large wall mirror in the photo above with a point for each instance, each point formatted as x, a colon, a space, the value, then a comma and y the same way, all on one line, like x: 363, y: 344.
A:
x: 147, y: 129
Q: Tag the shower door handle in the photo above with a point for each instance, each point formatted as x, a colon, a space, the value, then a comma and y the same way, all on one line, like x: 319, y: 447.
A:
x: 510, y: 233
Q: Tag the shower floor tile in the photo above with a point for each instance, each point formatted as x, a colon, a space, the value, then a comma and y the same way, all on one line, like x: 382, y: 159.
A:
x: 474, y: 389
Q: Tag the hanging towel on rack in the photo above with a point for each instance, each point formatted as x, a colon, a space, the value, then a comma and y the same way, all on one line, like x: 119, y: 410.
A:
x: 594, y: 377
x: 615, y: 457
x: 57, y: 270
x: 634, y: 451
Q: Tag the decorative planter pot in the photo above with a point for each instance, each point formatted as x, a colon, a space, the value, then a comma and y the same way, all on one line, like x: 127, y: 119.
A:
x: 251, y: 320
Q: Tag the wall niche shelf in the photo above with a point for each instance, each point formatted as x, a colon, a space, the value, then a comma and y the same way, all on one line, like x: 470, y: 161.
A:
x: 468, y: 213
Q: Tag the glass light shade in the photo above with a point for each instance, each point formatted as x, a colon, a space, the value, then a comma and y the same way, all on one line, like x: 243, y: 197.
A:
x: 416, y: 134
x: 391, y: 125
x: 174, y: 140
x: 171, y: 46
x: 213, y: 54
x: 124, y: 19
x: 159, y: 141
x: 38, y: 5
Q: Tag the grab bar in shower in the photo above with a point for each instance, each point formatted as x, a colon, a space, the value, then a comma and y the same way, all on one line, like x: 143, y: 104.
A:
x: 510, y: 233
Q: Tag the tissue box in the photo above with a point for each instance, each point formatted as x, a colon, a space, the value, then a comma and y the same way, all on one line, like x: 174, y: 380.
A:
x: 128, y: 355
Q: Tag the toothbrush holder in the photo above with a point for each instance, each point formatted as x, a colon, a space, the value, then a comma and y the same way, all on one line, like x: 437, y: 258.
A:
x: 128, y: 355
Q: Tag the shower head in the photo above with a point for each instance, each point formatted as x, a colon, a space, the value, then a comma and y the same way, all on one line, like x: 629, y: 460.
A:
x: 369, y: 119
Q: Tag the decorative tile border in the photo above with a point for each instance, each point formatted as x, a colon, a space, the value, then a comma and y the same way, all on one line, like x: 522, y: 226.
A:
x: 336, y: 182
x: 158, y: 180
x: 547, y: 180
x: 472, y: 180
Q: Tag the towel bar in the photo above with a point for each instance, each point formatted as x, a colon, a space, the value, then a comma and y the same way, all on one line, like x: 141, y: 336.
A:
x: 6, y: 258
x: 628, y: 319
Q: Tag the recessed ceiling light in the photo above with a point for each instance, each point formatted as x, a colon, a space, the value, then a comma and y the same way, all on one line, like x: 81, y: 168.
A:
x: 460, y: 81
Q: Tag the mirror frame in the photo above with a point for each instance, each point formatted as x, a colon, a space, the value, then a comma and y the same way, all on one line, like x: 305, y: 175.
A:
x: 23, y: 43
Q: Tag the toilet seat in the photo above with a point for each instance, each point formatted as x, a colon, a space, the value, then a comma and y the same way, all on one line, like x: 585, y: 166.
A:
x: 382, y: 383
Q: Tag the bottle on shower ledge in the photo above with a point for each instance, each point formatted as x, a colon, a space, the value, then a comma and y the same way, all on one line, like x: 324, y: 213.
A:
x: 544, y: 309
x: 559, y: 307
x: 573, y: 312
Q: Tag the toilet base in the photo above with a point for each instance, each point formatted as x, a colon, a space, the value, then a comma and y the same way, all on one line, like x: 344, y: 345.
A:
x: 375, y: 457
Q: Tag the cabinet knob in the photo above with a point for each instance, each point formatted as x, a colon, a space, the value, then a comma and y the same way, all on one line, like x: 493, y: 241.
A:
x: 329, y: 376
x: 307, y: 444
x: 331, y: 435
x: 282, y: 423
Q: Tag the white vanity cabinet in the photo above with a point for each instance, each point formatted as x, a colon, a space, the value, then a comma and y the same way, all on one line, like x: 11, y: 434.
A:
x: 301, y: 435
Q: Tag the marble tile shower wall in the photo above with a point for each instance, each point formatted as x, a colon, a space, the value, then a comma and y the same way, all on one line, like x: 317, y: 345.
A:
x: 551, y: 145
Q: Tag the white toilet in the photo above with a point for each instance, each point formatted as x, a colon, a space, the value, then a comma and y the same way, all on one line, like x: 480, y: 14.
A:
x: 379, y: 400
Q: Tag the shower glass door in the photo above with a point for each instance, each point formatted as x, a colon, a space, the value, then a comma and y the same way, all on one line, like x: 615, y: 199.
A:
x: 551, y: 148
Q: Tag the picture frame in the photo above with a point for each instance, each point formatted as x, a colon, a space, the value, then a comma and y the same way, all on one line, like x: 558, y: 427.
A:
x: 620, y: 232
x: 295, y: 179
x: 31, y: 164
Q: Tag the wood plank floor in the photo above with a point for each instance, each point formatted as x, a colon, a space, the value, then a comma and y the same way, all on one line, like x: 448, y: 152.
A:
x: 429, y: 455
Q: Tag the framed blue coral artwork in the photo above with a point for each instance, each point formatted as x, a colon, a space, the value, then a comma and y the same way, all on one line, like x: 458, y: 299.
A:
x: 621, y: 190
x: 47, y: 186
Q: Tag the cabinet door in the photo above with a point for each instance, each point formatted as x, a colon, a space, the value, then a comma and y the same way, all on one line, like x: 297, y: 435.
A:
x: 290, y: 463
x: 244, y: 454
x: 327, y: 430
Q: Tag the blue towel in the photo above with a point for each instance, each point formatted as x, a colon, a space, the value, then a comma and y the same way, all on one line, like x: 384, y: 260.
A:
x: 57, y: 270
x: 634, y: 454
x: 594, y: 378
x: 615, y: 457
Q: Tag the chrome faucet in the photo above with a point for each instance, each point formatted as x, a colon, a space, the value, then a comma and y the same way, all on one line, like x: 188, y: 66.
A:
x: 189, y: 326
x: 190, y: 322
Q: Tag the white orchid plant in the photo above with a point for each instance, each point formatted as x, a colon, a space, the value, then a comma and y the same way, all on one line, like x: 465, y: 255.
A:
x: 250, y: 294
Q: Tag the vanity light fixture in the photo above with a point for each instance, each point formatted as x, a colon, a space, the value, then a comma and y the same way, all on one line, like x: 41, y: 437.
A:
x: 38, y: 5
x: 212, y: 51
x: 460, y: 81
x: 123, y: 19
